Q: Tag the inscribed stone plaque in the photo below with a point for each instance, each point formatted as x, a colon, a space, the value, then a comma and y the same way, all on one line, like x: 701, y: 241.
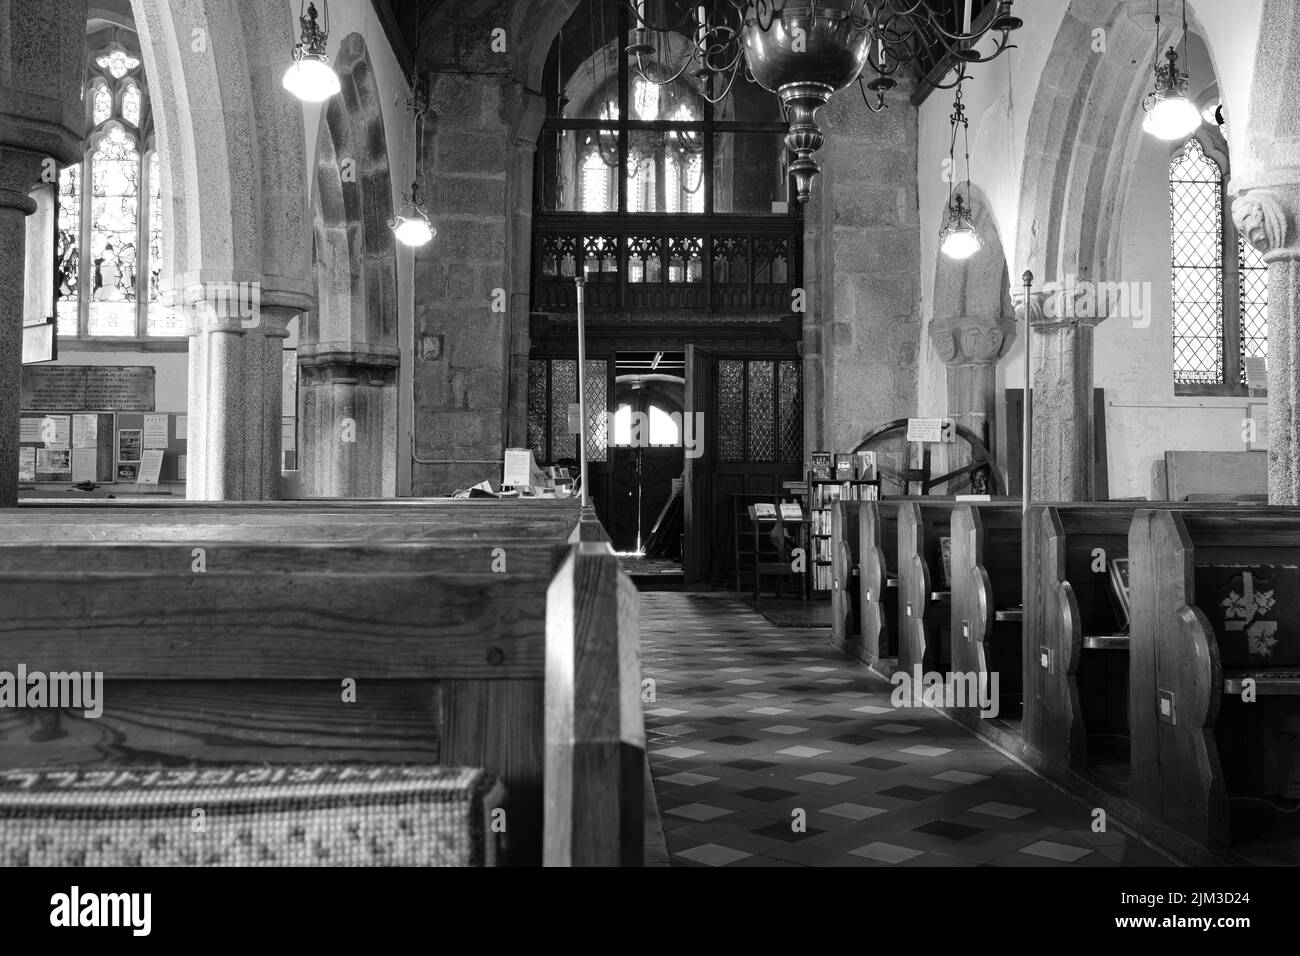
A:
x: 85, y: 387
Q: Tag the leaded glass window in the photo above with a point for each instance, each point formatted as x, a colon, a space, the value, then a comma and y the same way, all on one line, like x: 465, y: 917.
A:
x: 109, y: 245
x: 1196, y: 212
x: 1220, y: 287
x: 760, y: 410
x: 552, y: 388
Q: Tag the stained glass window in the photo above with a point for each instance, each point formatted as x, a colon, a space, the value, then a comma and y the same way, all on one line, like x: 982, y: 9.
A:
x: 1196, y: 214
x: 131, y: 105
x: 102, y: 100
x: 67, y: 251
x: 117, y: 63
x: 109, y: 242
x: 114, y: 233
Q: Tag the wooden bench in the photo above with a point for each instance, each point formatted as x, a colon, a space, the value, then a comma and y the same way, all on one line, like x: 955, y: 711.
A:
x: 1076, y: 660
x: 846, y: 575
x: 878, y: 584
x: 1215, y: 670
x: 923, y: 596
x: 529, y: 670
x: 986, y: 606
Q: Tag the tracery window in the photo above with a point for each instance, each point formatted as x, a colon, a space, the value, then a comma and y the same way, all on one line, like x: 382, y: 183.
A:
x: 108, y: 245
x: 1220, y: 282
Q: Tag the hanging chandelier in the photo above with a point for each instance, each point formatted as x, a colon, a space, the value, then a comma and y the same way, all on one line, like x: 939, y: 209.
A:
x: 958, y: 239
x: 1171, y: 115
x: 411, y: 227
x: 804, y: 51
x: 310, y: 77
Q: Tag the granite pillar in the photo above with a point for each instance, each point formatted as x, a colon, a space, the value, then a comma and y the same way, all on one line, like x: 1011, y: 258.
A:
x: 235, y: 378
x: 1062, y: 323
x: 348, y: 425
x: 1269, y: 218
x: 970, y: 346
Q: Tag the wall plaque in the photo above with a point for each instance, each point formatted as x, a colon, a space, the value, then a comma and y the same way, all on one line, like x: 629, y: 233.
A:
x: 123, y: 388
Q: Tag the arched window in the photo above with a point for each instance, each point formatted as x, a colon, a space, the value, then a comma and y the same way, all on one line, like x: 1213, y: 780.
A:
x: 1220, y: 283
x: 109, y: 237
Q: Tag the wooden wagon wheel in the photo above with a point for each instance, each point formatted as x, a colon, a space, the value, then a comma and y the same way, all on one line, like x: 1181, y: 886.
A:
x: 901, y: 474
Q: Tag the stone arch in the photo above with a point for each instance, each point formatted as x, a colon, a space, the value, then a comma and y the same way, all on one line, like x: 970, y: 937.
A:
x: 973, y: 323
x: 236, y: 179
x: 348, y: 353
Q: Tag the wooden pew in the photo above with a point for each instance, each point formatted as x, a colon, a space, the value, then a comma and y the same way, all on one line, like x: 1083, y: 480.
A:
x: 923, y: 597
x: 1076, y: 660
x: 846, y: 575
x: 455, y: 663
x: 986, y: 605
x: 878, y: 584
x: 1215, y: 668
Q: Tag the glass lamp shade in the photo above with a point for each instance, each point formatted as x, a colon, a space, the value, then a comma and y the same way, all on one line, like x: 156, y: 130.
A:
x: 311, y: 79
x: 960, y: 243
x: 413, y: 231
x: 1171, y: 117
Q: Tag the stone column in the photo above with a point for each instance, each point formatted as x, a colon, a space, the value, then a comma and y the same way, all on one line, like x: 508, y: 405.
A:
x: 1062, y: 322
x: 42, y: 51
x: 970, y: 346
x: 1269, y: 218
x: 349, y: 424
x: 235, y: 407
x: 19, y: 172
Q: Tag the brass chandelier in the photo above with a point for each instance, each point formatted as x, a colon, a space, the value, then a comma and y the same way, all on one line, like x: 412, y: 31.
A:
x: 804, y: 51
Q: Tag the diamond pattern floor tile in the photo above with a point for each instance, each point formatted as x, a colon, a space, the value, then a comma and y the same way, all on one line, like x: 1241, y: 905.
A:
x: 846, y: 780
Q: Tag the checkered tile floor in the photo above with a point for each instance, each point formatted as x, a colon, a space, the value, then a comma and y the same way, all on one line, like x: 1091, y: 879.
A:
x: 769, y: 747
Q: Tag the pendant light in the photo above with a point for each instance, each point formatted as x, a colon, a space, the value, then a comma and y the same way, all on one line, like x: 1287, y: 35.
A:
x: 310, y: 77
x: 1171, y: 115
x: 958, y: 239
x: 411, y: 226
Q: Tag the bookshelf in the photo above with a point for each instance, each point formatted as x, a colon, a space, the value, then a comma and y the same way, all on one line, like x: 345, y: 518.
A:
x: 824, y: 487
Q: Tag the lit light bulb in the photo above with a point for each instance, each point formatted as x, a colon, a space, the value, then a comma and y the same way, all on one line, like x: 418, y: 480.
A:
x: 311, y: 80
x: 1172, y: 117
x: 413, y: 232
x: 960, y: 243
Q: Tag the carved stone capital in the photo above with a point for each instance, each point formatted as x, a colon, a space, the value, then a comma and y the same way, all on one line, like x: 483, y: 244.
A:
x: 1267, y: 218
x: 971, y: 340
x: 20, y: 171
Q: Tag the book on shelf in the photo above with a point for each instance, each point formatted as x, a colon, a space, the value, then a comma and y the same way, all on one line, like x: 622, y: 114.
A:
x: 865, y: 462
x: 820, y: 465
x: 764, y: 511
x: 843, y: 467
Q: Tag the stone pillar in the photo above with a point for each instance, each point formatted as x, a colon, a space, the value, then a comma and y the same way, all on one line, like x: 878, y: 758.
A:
x: 19, y: 172
x: 1062, y: 322
x: 349, y: 425
x: 1269, y: 218
x: 42, y: 52
x: 970, y: 346
x: 235, y: 405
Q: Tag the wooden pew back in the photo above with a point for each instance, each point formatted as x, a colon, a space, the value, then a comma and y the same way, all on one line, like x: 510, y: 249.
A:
x: 444, y: 633
x: 1213, y: 591
x: 846, y: 572
x: 923, y: 610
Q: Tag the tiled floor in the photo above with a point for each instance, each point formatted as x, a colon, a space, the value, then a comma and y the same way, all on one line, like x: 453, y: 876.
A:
x: 769, y: 747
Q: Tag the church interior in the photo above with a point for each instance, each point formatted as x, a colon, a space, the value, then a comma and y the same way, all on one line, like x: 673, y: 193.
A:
x: 686, y: 433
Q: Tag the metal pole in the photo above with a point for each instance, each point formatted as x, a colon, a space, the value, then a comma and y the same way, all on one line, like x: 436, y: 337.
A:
x: 1026, y: 437
x: 582, y: 394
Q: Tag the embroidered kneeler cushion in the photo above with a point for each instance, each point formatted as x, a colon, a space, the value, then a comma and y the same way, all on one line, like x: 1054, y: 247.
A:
x: 296, y: 815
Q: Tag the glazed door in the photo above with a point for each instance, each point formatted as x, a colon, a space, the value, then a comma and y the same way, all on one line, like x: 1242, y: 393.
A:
x: 697, y: 470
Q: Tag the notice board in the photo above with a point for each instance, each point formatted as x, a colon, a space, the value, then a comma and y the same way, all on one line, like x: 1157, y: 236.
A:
x: 176, y: 443
x: 32, y: 442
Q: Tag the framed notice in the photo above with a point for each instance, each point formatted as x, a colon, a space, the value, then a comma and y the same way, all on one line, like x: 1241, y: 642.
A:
x: 1258, y: 416
x: 931, y: 430
x: 129, y: 445
x: 26, y: 464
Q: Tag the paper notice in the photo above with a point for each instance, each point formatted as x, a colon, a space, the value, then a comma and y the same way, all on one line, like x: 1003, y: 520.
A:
x: 182, y: 427
x: 150, y: 467
x: 30, y: 431
x: 84, y: 462
x: 53, y: 461
x: 518, y: 470
x: 55, y: 431
x: 85, y: 431
x: 180, y: 466
x: 155, y: 431
x: 27, y: 464
x: 128, y: 444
